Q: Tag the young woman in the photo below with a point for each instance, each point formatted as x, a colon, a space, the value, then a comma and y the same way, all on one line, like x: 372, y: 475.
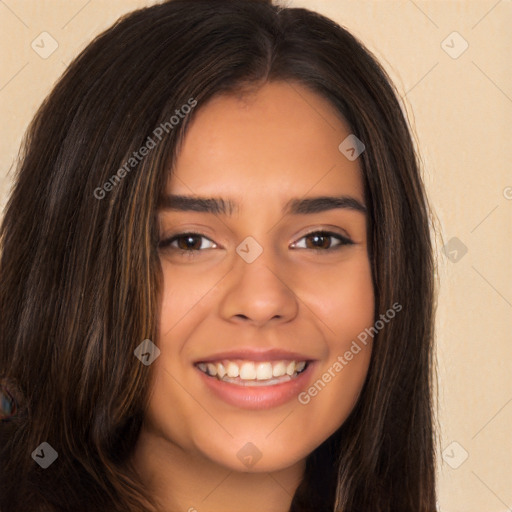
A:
x: 217, y: 276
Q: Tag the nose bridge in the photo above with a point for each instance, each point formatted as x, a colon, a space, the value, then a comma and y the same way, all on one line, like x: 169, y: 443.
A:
x: 257, y: 267
x: 257, y: 291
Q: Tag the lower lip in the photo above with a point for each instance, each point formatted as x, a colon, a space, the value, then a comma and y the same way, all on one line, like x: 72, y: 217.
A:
x: 261, y: 397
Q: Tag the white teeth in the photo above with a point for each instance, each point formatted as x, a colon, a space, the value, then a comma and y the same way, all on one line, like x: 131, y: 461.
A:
x: 279, y: 369
x: 252, y: 371
x: 221, y: 371
x: 232, y: 370
x: 257, y: 383
x: 248, y: 371
x: 264, y: 371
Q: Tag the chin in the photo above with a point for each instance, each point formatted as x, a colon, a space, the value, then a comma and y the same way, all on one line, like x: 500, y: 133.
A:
x: 255, y: 454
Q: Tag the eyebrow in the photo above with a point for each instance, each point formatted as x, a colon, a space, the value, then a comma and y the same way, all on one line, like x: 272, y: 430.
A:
x: 216, y: 205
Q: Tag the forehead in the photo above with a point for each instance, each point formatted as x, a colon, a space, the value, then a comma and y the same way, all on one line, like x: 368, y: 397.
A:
x: 281, y: 138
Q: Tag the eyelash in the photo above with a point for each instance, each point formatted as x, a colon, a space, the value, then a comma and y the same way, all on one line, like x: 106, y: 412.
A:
x: 166, y: 244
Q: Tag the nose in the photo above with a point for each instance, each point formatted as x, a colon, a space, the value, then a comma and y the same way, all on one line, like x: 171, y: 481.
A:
x: 256, y: 293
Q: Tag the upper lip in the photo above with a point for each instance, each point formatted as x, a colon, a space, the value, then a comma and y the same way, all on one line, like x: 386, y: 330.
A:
x: 251, y: 354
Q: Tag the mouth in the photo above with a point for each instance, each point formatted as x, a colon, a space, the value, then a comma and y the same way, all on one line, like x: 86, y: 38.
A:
x: 255, y: 384
x: 253, y: 373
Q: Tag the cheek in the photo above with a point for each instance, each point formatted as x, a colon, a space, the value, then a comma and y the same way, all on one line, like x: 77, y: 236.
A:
x: 184, y: 294
x: 342, y: 297
x: 344, y: 301
x: 355, y: 308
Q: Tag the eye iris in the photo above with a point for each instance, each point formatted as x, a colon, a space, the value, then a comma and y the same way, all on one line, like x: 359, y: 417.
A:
x: 319, y: 241
x: 190, y: 242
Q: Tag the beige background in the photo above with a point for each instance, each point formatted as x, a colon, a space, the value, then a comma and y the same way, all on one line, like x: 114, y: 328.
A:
x: 461, y: 112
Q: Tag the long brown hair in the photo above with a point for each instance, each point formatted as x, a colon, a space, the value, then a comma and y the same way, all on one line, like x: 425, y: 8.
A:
x: 80, y: 273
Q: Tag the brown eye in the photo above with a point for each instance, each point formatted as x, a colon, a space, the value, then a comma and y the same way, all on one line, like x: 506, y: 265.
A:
x: 323, y: 240
x: 187, y: 242
x: 318, y: 242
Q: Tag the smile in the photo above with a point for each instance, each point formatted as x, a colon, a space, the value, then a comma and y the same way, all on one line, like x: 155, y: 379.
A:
x: 253, y: 373
x: 261, y: 384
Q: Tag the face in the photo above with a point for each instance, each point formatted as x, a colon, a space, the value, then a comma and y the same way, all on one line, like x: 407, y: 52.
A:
x: 266, y: 288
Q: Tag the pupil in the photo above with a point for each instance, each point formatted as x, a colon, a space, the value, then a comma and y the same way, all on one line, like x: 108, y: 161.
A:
x: 318, y: 239
x: 189, y: 242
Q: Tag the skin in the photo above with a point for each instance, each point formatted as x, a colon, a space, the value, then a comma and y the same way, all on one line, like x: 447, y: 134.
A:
x: 259, y: 150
